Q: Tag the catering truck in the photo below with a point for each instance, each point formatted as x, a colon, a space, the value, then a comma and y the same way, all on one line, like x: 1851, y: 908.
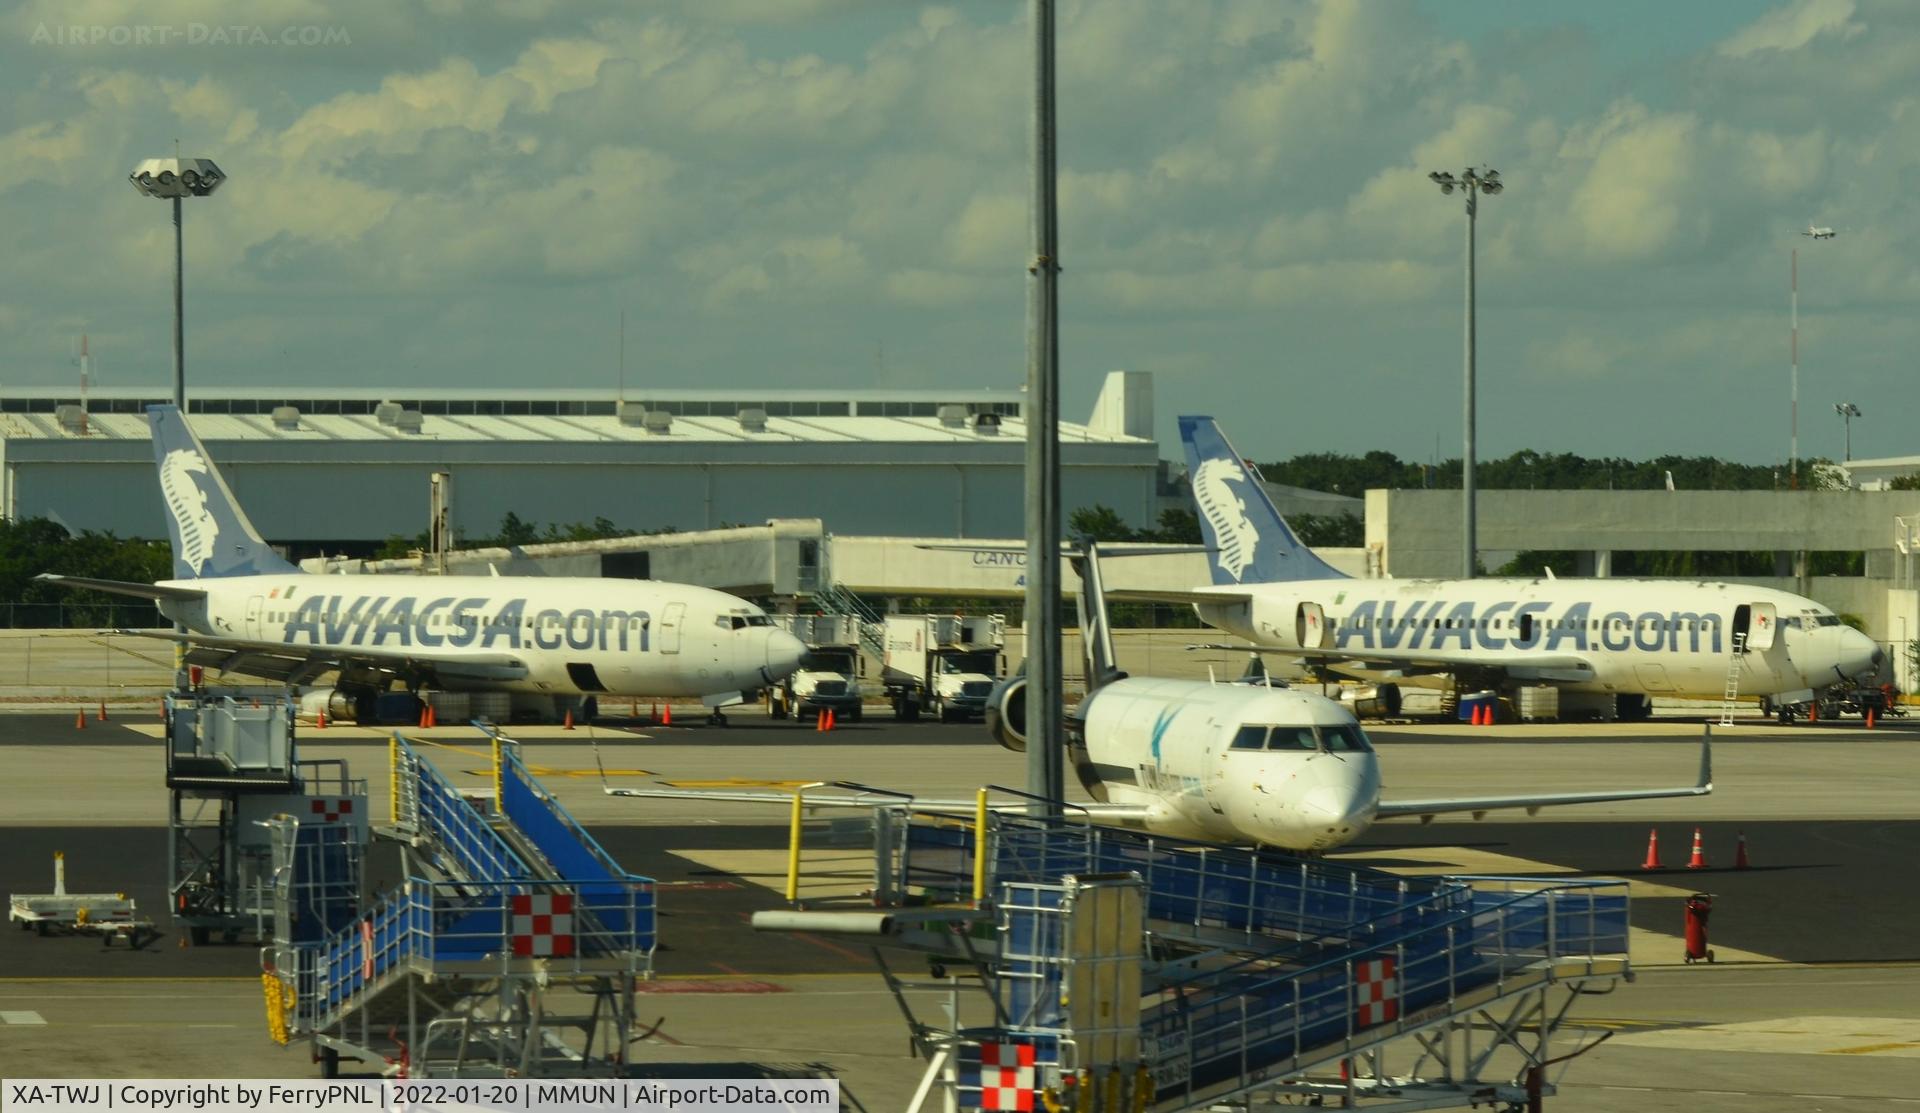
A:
x: 828, y: 678
x: 942, y: 664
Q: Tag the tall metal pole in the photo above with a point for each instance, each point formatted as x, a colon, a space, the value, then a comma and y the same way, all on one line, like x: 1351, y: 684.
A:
x: 1466, y: 463
x: 1045, y: 705
x: 179, y: 318
x: 1793, y: 304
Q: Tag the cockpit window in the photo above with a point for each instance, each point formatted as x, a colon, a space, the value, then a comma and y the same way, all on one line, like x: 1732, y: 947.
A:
x: 759, y: 620
x: 1291, y: 738
x: 1347, y: 738
x: 1250, y: 738
x: 1828, y: 620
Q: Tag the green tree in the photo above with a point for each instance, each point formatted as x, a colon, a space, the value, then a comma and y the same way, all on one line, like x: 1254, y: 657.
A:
x: 1098, y: 523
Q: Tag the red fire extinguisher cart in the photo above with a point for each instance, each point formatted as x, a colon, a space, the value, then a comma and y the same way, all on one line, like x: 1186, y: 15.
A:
x: 1699, y: 907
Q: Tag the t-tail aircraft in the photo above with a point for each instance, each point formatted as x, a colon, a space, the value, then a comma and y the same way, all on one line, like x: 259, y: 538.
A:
x: 1231, y: 762
x: 1624, y: 640
x: 249, y: 611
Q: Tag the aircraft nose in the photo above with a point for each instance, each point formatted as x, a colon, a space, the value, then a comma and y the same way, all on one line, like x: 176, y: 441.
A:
x: 1859, y: 654
x: 783, y: 655
x: 1335, y: 814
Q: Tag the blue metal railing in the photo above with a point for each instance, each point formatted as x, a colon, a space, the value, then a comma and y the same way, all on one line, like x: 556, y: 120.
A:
x: 477, y: 851
x: 567, y: 847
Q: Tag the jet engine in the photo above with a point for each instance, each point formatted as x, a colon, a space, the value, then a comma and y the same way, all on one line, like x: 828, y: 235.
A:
x: 342, y: 705
x: 1375, y: 701
x: 1007, y: 713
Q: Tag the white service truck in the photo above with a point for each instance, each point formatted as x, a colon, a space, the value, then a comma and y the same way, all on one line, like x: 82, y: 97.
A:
x: 945, y: 664
x: 828, y: 678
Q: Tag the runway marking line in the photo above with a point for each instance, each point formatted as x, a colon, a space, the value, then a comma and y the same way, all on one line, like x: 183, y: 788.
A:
x: 1869, y: 1049
x: 21, y: 1016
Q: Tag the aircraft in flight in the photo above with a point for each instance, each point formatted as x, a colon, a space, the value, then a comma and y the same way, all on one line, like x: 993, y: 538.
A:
x: 249, y: 611
x: 1819, y: 233
x: 1625, y: 639
x: 1230, y: 762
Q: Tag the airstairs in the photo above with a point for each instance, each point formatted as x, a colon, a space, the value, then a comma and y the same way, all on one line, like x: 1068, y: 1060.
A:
x: 831, y: 598
x: 1125, y: 971
x: 1734, y: 662
x: 511, y: 949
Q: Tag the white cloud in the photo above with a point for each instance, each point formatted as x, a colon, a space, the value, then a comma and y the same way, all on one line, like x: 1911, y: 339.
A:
x: 1793, y: 26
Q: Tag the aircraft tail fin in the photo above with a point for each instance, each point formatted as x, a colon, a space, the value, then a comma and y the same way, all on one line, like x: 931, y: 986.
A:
x: 1251, y: 542
x: 211, y: 534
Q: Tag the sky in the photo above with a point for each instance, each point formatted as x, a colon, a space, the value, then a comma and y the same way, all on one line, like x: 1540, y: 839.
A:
x: 833, y: 194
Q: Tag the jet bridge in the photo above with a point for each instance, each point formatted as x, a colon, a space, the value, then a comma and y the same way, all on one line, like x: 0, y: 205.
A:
x: 511, y: 949
x: 1129, y: 971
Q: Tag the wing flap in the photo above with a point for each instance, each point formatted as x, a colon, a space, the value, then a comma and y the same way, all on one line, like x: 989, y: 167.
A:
x: 1479, y: 806
x: 279, y: 661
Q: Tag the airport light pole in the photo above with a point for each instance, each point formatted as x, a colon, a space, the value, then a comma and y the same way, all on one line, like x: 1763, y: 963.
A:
x: 1473, y: 182
x: 1793, y: 310
x: 1847, y: 411
x: 1046, y: 774
x: 176, y: 179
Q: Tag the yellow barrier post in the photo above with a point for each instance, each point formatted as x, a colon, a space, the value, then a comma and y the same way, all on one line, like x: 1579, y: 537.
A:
x: 499, y: 778
x: 793, y: 848
x: 393, y: 780
x: 980, y: 847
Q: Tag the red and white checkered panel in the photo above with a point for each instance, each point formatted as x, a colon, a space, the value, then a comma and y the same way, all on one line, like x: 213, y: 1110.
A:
x: 330, y: 809
x: 1007, y: 1076
x: 543, y: 925
x: 1376, y: 992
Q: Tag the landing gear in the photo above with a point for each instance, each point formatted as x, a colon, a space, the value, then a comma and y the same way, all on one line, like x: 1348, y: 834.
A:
x: 1632, y: 708
x: 716, y: 718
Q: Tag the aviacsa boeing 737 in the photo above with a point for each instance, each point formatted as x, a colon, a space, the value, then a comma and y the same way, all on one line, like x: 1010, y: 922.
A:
x: 249, y: 611
x: 1630, y: 639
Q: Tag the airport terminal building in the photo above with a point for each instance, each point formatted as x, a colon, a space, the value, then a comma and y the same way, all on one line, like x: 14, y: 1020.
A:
x: 322, y: 470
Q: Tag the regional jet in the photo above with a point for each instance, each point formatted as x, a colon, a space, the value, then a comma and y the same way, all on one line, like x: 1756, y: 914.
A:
x: 1621, y: 639
x: 1231, y: 762
x: 249, y: 611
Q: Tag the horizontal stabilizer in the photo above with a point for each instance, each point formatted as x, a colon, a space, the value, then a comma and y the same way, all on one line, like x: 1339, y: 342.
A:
x: 1427, y: 809
x: 122, y: 587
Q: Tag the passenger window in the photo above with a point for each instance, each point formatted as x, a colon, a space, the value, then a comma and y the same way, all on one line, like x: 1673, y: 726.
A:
x: 1250, y: 738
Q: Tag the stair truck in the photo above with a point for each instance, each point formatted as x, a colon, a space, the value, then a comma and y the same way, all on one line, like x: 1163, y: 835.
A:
x: 828, y: 678
x: 945, y: 664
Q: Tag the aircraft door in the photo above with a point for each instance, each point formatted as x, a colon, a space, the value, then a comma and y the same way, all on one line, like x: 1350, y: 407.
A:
x: 253, y: 617
x: 1762, y: 626
x: 1310, y: 626
x: 670, y: 623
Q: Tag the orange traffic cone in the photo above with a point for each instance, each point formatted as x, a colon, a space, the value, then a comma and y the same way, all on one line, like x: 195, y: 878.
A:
x: 320, y: 719
x: 1869, y: 716
x: 103, y: 712
x: 1740, y: 853
x: 1813, y: 711
x: 633, y: 712
x: 423, y: 717
x: 80, y: 721
x: 1699, y: 859
x: 820, y: 722
x: 433, y: 717
x: 832, y: 720
x: 568, y: 725
x: 653, y: 714
x: 1653, y: 850
x: 666, y: 715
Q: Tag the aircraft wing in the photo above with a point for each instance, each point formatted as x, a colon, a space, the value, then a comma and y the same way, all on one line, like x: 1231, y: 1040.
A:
x: 1427, y: 809
x: 1520, y: 666
x: 122, y: 587
x: 299, y: 664
x: 850, y: 795
x: 1159, y: 595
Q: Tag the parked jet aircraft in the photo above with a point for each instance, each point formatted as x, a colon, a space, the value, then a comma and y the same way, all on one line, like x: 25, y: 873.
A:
x: 1627, y: 638
x: 1244, y: 763
x: 249, y: 611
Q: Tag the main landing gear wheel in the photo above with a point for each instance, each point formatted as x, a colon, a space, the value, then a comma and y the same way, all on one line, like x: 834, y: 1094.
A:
x: 717, y: 719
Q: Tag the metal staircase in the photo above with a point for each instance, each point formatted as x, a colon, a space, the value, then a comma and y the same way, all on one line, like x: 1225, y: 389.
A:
x: 511, y: 949
x: 1732, y: 701
x: 831, y: 598
x: 1134, y: 971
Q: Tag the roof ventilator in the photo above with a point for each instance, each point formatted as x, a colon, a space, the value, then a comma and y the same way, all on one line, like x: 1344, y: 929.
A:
x: 753, y: 419
x: 408, y: 421
x: 987, y: 425
x: 658, y: 422
x: 387, y: 413
x: 286, y: 417
x: 631, y: 413
x: 953, y: 414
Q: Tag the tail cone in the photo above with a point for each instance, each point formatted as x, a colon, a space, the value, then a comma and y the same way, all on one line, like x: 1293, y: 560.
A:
x: 1653, y: 850
x: 1699, y: 859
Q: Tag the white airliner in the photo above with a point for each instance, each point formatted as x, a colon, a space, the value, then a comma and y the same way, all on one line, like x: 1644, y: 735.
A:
x: 1240, y: 763
x: 251, y: 612
x: 1819, y: 233
x: 1628, y: 638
